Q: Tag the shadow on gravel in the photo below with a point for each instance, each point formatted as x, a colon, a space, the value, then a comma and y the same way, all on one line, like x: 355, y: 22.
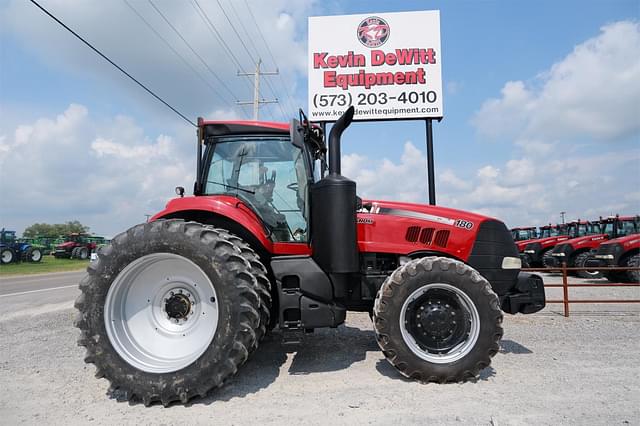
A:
x: 511, y: 347
x: 332, y: 350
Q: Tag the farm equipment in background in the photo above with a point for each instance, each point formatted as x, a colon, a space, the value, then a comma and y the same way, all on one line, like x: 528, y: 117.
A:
x: 12, y: 250
x: 621, y: 251
x: 172, y: 307
x: 537, y: 253
x: 75, y: 246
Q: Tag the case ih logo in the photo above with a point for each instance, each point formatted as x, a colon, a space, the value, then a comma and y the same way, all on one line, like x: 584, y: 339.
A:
x: 373, y: 31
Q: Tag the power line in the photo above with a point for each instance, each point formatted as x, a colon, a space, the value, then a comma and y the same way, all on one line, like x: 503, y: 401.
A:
x: 113, y: 63
x: 204, y: 80
x: 275, y: 63
x: 222, y: 83
x: 216, y: 34
x: 248, y: 53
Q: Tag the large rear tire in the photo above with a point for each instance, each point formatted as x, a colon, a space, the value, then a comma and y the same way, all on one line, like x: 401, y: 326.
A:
x: 33, y: 255
x: 201, y: 311
x: 437, y: 320
x: 263, y: 285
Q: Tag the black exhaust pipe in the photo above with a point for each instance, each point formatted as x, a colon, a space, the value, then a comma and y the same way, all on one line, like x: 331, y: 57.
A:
x: 334, y: 140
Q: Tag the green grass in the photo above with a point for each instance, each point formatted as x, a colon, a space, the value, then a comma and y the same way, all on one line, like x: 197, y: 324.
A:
x: 47, y: 264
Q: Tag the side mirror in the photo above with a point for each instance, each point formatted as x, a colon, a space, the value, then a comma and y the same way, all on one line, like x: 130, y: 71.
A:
x: 180, y: 191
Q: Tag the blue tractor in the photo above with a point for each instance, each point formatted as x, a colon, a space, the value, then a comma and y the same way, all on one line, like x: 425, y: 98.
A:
x: 13, y: 251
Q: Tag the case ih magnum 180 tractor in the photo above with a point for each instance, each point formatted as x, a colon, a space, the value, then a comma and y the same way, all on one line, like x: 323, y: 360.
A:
x: 171, y: 308
x: 76, y: 246
x: 623, y: 251
x: 537, y: 253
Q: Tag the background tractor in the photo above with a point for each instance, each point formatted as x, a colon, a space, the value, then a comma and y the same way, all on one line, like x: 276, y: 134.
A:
x: 537, y: 253
x: 575, y: 251
x: 75, y: 246
x: 12, y: 250
x: 172, y: 307
x: 622, y: 250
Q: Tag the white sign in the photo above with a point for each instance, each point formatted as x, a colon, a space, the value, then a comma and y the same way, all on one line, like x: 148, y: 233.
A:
x: 387, y: 65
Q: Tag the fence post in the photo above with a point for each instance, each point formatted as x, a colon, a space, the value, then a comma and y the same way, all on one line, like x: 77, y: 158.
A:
x: 565, y: 289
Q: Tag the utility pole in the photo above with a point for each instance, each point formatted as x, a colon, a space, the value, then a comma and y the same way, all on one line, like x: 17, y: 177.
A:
x: 562, y: 214
x: 256, y: 89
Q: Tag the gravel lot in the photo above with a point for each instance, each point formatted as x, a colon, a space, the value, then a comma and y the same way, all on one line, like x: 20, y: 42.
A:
x: 551, y: 370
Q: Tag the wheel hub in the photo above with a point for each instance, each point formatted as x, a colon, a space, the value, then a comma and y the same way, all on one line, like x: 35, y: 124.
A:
x: 439, y: 322
x: 179, y: 305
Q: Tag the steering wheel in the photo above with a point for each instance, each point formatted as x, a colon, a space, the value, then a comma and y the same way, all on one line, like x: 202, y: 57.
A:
x: 293, y: 186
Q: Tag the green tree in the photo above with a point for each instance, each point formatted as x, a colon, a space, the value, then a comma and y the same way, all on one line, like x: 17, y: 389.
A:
x: 54, y: 230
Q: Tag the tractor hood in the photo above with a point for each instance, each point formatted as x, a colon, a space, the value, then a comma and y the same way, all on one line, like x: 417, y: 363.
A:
x: 586, y: 241
x: 627, y: 240
x: 437, y: 214
x: 550, y: 240
x: 65, y: 245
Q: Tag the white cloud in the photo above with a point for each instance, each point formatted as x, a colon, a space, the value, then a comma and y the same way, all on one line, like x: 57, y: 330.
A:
x: 105, y: 173
x: 593, y: 92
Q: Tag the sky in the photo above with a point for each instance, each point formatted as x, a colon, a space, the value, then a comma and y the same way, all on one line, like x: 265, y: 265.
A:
x: 541, y: 105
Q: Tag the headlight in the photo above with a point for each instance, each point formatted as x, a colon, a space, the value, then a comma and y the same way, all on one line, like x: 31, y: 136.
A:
x: 558, y: 254
x: 511, y: 263
x: 529, y: 251
x: 604, y: 256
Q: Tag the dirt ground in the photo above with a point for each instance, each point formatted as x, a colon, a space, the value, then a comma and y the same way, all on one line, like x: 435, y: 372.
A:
x: 551, y: 370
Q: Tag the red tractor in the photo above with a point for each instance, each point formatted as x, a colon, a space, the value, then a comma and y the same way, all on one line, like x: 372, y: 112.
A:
x: 623, y: 251
x: 537, y: 253
x: 76, y: 246
x: 171, y: 308
x: 575, y: 251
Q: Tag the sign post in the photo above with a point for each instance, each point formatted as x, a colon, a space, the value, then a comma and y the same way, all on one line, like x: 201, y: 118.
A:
x: 387, y: 65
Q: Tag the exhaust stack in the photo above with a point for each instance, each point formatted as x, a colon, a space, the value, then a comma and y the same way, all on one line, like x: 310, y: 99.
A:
x: 333, y: 217
x: 334, y: 140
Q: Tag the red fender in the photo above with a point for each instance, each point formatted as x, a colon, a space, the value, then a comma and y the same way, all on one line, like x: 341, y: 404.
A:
x: 235, y: 210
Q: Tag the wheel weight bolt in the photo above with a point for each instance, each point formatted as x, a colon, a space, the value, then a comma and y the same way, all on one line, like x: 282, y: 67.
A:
x: 213, y: 299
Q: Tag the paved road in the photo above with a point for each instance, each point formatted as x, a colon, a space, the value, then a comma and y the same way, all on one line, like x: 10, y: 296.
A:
x: 33, y: 294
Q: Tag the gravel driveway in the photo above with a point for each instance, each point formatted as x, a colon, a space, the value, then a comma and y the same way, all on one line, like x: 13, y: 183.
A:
x: 551, y: 370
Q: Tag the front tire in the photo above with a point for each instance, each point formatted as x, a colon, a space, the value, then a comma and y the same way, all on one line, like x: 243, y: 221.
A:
x: 633, y: 262
x: 547, y: 259
x: 437, y: 320
x: 580, y: 262
x: 201, y: 311
x: 7, y: 256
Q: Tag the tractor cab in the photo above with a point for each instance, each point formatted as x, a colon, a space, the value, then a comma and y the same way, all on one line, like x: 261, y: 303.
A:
x: 522, y: 234
x: 620, y: 226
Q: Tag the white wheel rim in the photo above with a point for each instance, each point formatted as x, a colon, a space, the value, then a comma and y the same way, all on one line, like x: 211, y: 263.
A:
x: 7, y: 256
x: 36, y: 255
x: 139, y: 326
x: 456, y: 353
